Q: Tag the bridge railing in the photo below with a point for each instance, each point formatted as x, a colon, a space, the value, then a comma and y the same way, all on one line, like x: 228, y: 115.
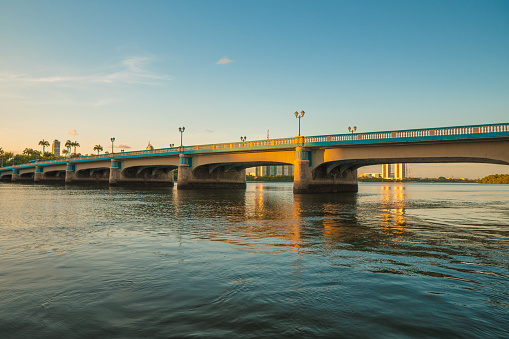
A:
x: 432, y: 133
x: 415, y: 133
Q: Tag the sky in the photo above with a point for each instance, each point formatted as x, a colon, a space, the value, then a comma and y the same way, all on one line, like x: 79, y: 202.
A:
x: 137, y: 70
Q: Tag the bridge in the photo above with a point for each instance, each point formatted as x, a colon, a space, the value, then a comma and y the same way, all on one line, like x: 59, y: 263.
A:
x: 325, y: 163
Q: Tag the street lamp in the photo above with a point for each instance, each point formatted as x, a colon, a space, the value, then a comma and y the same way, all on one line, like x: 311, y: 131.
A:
x: 112, y: 141
x: 243, y: 139
x: 181, y: 130
x: 350, y: 129
x: 171, y: 145
x: 298, y: 117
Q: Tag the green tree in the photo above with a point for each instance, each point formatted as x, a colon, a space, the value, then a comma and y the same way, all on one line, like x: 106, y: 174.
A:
x: 44, y: 144
x: 495, y: 179
x: 68, y: 146
x: 31, y: 153
x: 98, y: 148
x: 65, y: 152
x: 75, y: 144
x: 48, y: 155
x: 6, y: 158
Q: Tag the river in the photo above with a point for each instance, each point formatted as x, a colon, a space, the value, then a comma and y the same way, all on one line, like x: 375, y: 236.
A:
x: 393, y: 260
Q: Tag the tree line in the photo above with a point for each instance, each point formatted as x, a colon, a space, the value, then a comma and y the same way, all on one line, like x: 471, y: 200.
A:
x: 495, y: 179
x: 28, y: 154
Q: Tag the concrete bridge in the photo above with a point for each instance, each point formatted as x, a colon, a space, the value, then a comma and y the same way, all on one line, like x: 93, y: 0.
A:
x: 326, y: 163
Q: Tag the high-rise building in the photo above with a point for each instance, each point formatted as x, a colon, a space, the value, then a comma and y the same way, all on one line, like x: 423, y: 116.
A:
x: 55, y: 148
x: 399, y: 171
x: 386, y: 171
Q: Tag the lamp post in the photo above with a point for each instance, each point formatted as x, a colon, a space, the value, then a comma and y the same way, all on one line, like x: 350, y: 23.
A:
x: 350, y: 129
x: 243, y: 139
x: 112, y: 141
x: 298, y: 117
x: 181, y: 130
x: 171, y: 145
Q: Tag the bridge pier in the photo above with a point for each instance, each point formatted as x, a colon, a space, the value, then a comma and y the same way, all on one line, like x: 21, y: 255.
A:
x: 38, y: 175
x: 115, y: 174
x: 15, y: 175
x: 206, y: 177
x: 322, y: 179
x: 70, y: 173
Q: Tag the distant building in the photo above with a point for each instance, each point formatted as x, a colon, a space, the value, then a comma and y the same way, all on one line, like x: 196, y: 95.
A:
x: 149, y: 147
x: 387, y: 171
x: 251, y: 171
x: 399, y: 172
x: 370, y: 175
x: 274, y: 170
x: 55, y: 148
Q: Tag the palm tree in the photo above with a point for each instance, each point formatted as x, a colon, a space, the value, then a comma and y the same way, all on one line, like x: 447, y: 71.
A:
x: 98, y: 148
x: 65, y: 152
x: 44, y: 144
x: 68, y: 146
x: 75, y: 144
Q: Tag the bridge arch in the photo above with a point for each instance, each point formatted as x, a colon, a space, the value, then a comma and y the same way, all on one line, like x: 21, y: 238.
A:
x: 148, y: 172
x: 226, y: 170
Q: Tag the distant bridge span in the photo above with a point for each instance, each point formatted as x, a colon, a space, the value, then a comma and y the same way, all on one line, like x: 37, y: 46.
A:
x: 325, y: 163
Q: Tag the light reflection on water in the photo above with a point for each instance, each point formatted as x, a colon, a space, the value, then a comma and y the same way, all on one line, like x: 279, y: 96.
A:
x: 394, y: 259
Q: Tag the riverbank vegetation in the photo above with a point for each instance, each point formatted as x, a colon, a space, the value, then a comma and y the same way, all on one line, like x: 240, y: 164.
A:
x: 495, y: 179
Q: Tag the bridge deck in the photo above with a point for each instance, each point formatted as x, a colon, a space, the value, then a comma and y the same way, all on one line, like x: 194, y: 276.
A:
x: 472, y: 132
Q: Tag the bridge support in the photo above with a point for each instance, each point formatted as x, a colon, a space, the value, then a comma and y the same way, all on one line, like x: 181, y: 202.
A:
x: 38, y: 175
x: 206, y: 177
x: 15, y: 175
x: 322, y: 179
x: 70, y: 174
x: 115, y: 174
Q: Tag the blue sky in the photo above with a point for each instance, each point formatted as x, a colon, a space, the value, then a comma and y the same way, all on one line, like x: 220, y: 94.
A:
x: 137, y: 70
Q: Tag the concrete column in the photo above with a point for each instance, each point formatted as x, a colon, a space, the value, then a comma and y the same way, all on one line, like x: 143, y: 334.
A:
x: 15, y: 175
x: 115, y: 174
x: 38, y: 175
x: 320, y: 180
x: 184, y: 174
x: 302, y: 175
x: 70, y: 174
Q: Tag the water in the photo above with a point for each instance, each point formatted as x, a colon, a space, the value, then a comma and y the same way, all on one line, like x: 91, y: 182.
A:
x: 394, y: 260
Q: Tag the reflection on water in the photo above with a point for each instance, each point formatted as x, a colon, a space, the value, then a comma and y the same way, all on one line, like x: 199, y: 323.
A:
x: 393, y: 207
x: 394, y: 259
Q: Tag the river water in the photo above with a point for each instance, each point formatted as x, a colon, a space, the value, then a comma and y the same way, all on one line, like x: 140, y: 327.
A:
x: 393, y: 260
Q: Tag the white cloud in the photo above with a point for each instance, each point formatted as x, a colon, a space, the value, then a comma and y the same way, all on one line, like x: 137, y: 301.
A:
x: 130, y: 71
x: 123, y: 146
x: 73, y: 132
x: 224, y: 61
